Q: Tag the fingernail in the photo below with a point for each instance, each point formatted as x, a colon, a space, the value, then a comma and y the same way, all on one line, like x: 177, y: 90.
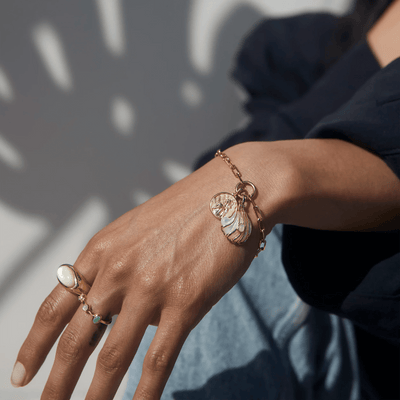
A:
x: 18, y: 375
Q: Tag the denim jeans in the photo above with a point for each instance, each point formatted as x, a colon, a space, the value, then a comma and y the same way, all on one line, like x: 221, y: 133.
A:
x: 261, y: 341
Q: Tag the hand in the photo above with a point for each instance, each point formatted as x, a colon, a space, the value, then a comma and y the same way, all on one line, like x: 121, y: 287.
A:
x: 164, y: 263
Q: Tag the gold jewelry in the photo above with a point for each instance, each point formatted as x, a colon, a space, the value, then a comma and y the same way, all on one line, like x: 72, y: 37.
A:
x: 75, y: 283
x: 230, y: 209
x: 97, y: 318
x: 72, y: 280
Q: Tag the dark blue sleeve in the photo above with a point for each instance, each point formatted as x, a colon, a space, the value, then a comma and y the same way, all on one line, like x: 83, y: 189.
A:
x: 371, y: 118
x: 281, y: 58
x: 293, y: 113
x: 277, y: 63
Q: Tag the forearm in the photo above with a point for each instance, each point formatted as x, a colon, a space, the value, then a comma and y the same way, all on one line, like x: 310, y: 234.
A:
x: 325, y: 184
x: 384, y: 36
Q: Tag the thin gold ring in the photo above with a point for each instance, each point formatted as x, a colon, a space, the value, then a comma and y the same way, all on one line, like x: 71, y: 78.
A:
x: 96, y: 318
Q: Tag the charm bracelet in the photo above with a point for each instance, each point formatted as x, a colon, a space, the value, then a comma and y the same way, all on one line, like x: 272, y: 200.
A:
x: 229, y: 208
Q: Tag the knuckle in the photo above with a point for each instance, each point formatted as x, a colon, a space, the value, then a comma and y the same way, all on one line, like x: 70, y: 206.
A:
x: 98, y: 244
x: 148, y: 288
x: 69, y: 348
x: 148, y: 282
x: 48, y: 314
x: 110, y: 360
x: 117, y: 271
x: 158, y: 361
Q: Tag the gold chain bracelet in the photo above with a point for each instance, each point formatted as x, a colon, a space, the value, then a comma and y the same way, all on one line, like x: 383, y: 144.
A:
x: 229, y: 208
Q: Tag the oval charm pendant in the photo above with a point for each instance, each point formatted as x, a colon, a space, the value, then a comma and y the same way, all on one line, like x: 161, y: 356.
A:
x: 223, y: 205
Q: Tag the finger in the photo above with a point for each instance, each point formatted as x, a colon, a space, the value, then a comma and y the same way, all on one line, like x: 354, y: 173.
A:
x: 76, y: 344
x: 160, y: 358
x: 52, y: 317
x: 118, y: 351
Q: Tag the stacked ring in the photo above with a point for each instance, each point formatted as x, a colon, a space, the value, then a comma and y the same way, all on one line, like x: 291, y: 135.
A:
x: 72, y: 280
x: 97, y: 319
x: 75, y: 283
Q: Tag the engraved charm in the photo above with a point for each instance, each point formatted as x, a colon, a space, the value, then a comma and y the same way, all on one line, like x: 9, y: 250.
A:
x: 223, y: 205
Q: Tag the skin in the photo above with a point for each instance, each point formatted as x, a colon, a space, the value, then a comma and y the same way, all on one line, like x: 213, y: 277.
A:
x: 384, y: 37
x: 166, y: 262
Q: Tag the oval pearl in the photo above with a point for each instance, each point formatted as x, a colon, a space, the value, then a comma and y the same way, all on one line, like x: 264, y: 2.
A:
x: 66, y: 276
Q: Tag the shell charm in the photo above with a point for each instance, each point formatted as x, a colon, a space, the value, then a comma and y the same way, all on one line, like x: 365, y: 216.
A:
x: 235, y: 223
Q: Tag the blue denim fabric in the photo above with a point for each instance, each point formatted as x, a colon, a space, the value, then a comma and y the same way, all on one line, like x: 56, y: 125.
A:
x: 261, y: 341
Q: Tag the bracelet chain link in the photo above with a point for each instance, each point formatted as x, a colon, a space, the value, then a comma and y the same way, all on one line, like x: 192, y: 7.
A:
x: 241, y: 188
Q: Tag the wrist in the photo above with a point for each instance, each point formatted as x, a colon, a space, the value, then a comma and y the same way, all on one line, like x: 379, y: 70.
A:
x: 327, y: 184
x: 270, y: 167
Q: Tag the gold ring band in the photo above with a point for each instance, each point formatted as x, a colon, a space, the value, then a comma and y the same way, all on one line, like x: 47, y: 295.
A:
x: 97, y: 318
